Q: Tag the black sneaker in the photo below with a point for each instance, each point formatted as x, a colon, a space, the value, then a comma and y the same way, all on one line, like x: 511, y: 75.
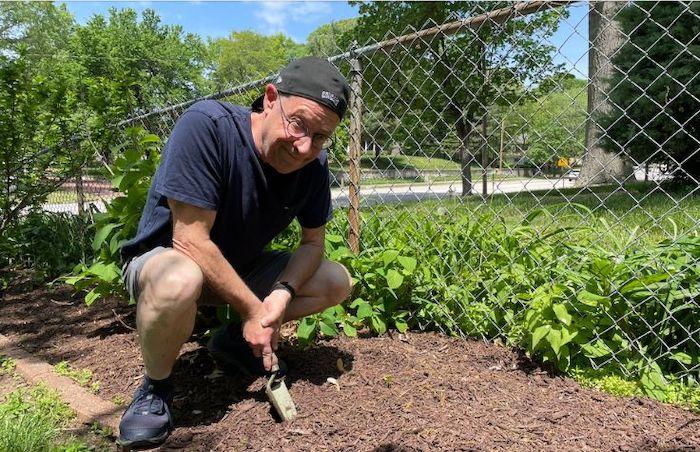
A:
x: 231, y: 352
x: 147, y: 421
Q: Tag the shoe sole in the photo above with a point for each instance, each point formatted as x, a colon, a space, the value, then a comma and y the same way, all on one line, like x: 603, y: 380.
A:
x: 143, y: 443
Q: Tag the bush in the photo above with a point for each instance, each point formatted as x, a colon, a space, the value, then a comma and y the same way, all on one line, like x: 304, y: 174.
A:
x: 43, y: 245
x: 131, y: 175
x: 550, y: 290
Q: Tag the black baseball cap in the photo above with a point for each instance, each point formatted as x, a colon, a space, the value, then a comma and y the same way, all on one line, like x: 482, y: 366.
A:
x: 314, y: 79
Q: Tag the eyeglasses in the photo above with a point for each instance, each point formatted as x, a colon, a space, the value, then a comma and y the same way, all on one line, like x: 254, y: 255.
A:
x: 296, y: 128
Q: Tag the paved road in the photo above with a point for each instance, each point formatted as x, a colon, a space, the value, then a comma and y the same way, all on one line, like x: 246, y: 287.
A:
x: 421, y: 192
x: 388, y: 194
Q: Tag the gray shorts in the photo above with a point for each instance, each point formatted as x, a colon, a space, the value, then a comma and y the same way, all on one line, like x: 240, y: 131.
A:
x: 265, y: 271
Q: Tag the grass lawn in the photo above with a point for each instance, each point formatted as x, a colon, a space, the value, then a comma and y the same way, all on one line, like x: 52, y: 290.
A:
x: 67, y: 197
x: 409, y: 162
x: 650, y: 212
x: 35, y: 419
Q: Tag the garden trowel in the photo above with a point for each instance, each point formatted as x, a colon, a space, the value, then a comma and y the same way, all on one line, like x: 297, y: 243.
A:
x: 278, y: 394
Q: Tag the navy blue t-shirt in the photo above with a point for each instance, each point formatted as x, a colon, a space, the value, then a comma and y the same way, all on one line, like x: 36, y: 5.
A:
x: 210, y: 162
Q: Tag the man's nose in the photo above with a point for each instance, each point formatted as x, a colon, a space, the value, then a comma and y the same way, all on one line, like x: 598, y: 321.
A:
x: 304, y: 146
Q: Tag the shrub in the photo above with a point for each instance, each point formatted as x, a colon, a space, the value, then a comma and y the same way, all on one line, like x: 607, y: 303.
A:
x: 131, y: 175
x: 43, y: 244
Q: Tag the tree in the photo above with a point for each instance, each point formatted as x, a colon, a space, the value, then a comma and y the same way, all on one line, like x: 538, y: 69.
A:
x: 330, y: 39
x: 448, y: 82
x: 246, y: 56
x: 39, y: 110
x: 549, y: 120
x: 131, y: 65
x: 654, y: 115
x: 604, y: 39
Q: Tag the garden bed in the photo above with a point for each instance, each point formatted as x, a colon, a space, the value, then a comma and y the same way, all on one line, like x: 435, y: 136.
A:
x: 398, y: 392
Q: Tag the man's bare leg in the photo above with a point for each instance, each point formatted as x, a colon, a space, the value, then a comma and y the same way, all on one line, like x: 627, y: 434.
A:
x: 171, y: 284
x: 329, y: 286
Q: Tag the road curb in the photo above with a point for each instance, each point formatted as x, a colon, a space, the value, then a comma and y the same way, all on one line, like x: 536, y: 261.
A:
x: 88, y: 407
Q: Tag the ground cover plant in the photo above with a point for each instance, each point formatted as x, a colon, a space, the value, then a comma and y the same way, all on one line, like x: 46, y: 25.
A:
x: 42, y: 246
x: 570, y: 289
x: 31, y: 420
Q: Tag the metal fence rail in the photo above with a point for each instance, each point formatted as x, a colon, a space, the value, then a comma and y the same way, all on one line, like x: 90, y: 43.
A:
x: 509, y: 110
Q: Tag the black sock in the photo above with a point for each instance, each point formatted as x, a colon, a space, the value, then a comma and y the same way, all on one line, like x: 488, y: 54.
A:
x: 163, y: 386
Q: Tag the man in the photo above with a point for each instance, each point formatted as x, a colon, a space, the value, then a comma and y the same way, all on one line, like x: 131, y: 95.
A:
x: 230, y: 180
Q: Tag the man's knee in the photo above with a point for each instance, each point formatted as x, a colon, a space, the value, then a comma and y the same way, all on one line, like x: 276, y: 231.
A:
x: 339, y: 282
x: 171, y: 282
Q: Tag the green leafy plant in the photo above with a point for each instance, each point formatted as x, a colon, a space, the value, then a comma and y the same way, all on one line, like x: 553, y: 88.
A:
x: 42, y: 246
x: 131, y: 173
x: 30, y: 420
x: 84, y: 377
x: 567, y: 295
x: 7, y: 365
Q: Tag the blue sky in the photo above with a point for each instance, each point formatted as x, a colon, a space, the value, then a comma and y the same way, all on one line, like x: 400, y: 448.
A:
x: 298, y: 19
x: 218, y: 19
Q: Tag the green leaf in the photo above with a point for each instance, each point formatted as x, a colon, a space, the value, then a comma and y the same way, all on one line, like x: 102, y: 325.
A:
x: 683, y: 358
x: 328, y: 328
x: 306, y: 330
x: 653, y: 382
x: 590, y: 299
x: 394, y: 279
x: 561, y: 313
x: 349, y: 330
x: 401, y: 326
x: 91, y: 296
x: 364, y: 310
x: 150, y: 138
x: 378, y: 325
x: 408, y: 263
x: 389, y: 256
x: 102, y: 234
x: 554, y: 339
x: 538, y: 334
x: 107, y: 273
x: 598, y: 349
x: 357, y: 302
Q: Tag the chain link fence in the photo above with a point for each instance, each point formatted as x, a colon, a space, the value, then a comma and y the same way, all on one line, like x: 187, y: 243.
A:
x: 541, y: 159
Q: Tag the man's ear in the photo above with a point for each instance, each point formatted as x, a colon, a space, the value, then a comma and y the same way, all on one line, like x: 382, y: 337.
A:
x: 271, y: 97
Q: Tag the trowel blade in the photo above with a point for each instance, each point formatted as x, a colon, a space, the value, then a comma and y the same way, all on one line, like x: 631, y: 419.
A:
x: 278, y: 394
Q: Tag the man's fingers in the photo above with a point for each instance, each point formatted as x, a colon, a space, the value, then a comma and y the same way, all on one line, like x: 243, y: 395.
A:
x: 268, y: 356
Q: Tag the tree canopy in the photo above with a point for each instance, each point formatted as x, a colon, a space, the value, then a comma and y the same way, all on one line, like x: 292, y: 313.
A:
x: 447, y: 83
x: 654, y: 116
x: 246, y: 56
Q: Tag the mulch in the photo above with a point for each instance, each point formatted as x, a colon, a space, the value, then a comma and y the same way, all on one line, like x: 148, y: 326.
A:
x: 418, y: 391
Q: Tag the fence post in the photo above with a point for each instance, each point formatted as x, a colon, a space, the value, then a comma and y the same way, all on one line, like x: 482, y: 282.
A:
x: 484, y: 155
x: 79, y: 191
x: 355, y: 150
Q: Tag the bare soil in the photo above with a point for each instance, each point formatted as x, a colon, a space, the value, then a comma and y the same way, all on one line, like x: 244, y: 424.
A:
x: 419, y: 391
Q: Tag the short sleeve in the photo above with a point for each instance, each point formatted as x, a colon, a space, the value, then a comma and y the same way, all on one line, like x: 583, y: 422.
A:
x: 191, y: 170
x: 318, y: 209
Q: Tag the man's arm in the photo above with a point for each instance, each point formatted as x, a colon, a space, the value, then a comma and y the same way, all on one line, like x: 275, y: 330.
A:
x: 191, y: 237
x: 307, y: 258
x: 302, y: 265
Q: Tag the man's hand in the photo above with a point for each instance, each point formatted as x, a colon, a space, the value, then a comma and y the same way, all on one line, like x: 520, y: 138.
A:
x: 261, y: 328
x: 275, y: 305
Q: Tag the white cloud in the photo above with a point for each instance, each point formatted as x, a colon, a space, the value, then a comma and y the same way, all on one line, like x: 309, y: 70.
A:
x: 277, y: 16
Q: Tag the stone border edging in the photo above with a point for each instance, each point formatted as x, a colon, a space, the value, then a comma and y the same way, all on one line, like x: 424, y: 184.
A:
x: 88, y: 407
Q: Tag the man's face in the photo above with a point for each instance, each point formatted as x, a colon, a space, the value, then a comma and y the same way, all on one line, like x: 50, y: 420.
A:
x: 294, y: 130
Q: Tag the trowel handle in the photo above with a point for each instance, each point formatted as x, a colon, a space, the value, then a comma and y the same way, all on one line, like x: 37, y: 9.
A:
x: 275, y: 367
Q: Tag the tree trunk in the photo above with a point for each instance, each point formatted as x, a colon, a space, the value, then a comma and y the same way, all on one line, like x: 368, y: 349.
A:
x: 466, y: 157
x: 604, y: 39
